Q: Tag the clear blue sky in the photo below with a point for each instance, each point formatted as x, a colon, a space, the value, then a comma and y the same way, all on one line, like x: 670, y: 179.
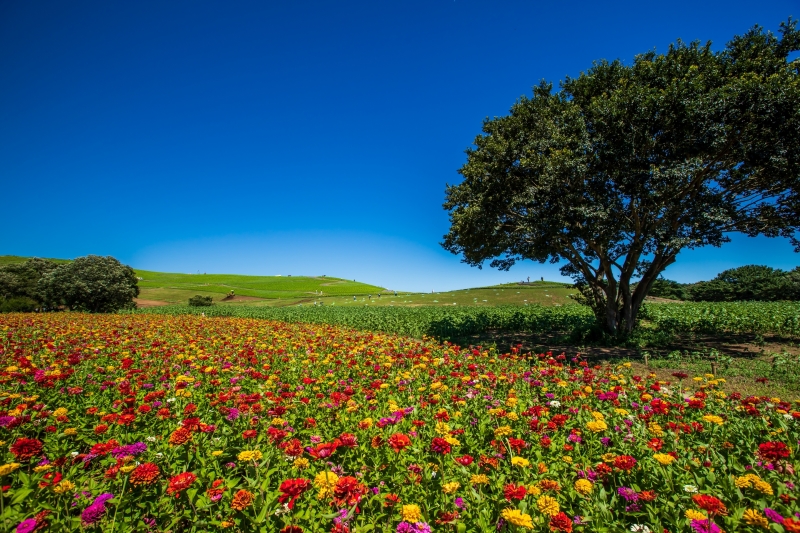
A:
x: 295, y: 137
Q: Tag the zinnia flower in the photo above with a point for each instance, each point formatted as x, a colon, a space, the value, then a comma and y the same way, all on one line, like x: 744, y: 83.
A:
x: 547, y: 505
x: 144, y: 474
x: 26, y: 449
x: 291, y: 489
x: 517, y: 517
x: 411, y: 513
x: 242, y: 500
x: 180, y: 483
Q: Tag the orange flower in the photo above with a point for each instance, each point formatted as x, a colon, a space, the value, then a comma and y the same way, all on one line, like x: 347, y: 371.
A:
x: 710, y: 504
x: 398, y: 441
x: 180, y: 436
x: 145, y: 474
x: 242, y: 500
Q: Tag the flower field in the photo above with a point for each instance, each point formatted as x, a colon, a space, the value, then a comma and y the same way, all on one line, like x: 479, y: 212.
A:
x: 158, y: 423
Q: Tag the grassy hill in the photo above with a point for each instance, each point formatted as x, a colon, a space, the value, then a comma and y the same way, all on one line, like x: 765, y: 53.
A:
x: 178, y: 288
x: 175, y: 288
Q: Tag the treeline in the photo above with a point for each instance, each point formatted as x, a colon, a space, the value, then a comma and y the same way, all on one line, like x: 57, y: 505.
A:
x: 748, y: 283
x: 93, y: 284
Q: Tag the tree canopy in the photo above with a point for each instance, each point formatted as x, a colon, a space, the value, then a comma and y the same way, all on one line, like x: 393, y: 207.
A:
x: 626, y: 165
x: 93, y: 283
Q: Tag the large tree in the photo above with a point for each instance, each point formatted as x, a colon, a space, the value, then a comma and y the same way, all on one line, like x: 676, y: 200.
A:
x: 93, y: 283
x: 626, y: 165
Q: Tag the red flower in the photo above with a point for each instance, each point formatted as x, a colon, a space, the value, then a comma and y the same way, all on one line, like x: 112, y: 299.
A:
x: 26, y: 449
x: 292, y: 529
x: 773, y: 451
x: 249, y: 434
x: 324, y: 450
x: 439, y: 445
x: 465, y: 460
x: 709, y: 504
x: 390, y: 500
x: 348, y: 491
x: 291, y: 447
x: 648, y: 495
x: 180, y: 482
x: 624, y: 462
x: 99, y: 429
x: 447, y: 518
x: 144, y: 474
x: 561, y: 522
x: 215, y: 493
x: 349, y: 440
x: 517, y: 444
x: 291, y: 489
x: 398, y: 441
x: 514, y: 492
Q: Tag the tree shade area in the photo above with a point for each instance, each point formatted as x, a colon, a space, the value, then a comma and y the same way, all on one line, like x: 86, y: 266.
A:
x: 626, y: 165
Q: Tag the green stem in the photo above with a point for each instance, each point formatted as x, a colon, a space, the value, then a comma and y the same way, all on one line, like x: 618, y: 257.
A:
x: 116, y: 507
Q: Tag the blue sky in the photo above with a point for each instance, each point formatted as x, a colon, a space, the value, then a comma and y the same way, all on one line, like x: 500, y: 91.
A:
x: 295, y: 137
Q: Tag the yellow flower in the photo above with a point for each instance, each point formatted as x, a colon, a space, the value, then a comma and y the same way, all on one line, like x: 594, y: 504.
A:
x: 547, y: 505
x: 450, y: 488
x: 663, y: 458
x: 714, y: 419
x: 60, y: 412
x: 567, y: 459
x: 250, y: 455
x: 503, y: 431
x: 583, y: 486
x: 442, y: 428
x: 520, y: 462
x: 742, y: 482
x: 70, y: 432
x: 762, y: 486
x: 183, y: 393
x: 64, y: 486
x: 301, y: 463
x: 512, y: 416
x: 452, y: 441
x: 43, y: 468
x: 127, y: 468
x: 479, y: 479
x: 325, y: 482
x: 534, y: 490
x: 278, y: 422
x: 596, y: 426
x: 608, y: 457
x: 754, y: 518
x: 8, y: 468
x: 216, y: 453
x: 227, y: 524
x: 518, y: 518
x: 692, y: 514
x: 411, y: 513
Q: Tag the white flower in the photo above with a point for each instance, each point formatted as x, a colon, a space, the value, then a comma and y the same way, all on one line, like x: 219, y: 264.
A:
x: 170, y: 400
x: 690, y: 488
x: 640, y: 528
x: 159, y: 455
x: 74, y: 454
x: 554, y: 403
x: 150, y: 439
x: 283, y: 509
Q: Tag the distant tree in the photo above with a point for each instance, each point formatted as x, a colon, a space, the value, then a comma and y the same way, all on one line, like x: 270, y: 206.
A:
x: 20, y: 282
x: 200, y: 301
x: 627, y: 165
x: 92, y: 283
x: 751, y: 282
x: 666, y: 288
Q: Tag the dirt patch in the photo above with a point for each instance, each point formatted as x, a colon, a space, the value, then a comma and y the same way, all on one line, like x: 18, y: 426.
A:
x: 140, y: 303
x: 238, y: 298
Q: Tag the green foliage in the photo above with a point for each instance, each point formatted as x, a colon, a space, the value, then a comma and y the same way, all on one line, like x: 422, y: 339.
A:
x: 200, y: 301
x: 751, y: 282
x: 20, y: 280
x: 663, y: 320
x: 18, y: 304
x: 626, y: 165
x: 666, y: 288
x: 93, y: 283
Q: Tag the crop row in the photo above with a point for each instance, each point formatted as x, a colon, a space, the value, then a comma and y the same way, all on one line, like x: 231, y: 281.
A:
x: 715, y: 318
